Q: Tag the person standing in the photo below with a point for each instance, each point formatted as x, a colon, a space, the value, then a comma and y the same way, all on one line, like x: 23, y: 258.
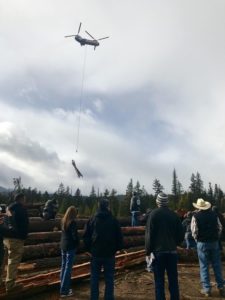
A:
x: 186, y: 223
x: 164, y: 232
x: 69, y: 244
x: 206, y: 229
x: 103, y: 238
x: 135, y: 204
x: 18, y: 223
x: 2, y: 250
x: 50, y: 209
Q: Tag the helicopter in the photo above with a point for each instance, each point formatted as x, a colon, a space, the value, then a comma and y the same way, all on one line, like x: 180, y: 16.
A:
x: 94, y: 42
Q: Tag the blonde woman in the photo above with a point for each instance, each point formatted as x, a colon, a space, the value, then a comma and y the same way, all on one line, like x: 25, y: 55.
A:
x: 69, y: 243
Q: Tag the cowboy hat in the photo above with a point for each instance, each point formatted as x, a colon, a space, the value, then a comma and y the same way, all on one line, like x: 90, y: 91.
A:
x: 202, y: 204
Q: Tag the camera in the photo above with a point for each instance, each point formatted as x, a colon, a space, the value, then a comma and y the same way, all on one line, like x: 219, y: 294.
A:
x: 2, y: 208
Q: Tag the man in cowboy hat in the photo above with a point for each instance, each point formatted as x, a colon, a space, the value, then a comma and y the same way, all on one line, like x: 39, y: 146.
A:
x: 206, y: 229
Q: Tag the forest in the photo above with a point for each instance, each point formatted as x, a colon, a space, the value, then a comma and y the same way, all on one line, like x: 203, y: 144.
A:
x: 119, y: 204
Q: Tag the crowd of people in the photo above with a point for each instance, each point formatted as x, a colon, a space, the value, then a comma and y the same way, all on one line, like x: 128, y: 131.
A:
x: 201, y: 230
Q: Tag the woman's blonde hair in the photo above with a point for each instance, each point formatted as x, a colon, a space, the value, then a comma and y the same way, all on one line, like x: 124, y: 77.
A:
x: 69, y: 216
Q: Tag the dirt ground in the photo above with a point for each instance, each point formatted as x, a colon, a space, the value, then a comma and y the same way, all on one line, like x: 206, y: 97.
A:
x: 138, y: 284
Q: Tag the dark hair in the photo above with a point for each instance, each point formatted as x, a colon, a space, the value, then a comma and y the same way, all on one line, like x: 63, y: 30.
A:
x: 19, y: 197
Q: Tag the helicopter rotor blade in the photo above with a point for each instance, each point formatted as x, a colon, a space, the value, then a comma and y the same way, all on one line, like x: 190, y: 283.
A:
x: 90, y: 35
x: 66, y: 36
x: 79, y: 28
x: 103, y: 38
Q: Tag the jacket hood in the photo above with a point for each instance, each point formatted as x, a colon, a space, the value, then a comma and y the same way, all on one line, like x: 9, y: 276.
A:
x: 102, y: 214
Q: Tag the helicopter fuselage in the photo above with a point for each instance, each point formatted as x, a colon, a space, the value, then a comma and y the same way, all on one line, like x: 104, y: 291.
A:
x: 83, y: 41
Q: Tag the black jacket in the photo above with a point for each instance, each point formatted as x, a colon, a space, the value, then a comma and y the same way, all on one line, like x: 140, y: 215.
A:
x: 206, y: 226
x: 103, y: 236
x: 69, y: 237
x: 164, y: 231
x: 19, y: 222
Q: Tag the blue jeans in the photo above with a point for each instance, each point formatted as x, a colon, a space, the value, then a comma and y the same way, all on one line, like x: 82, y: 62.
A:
x: 165, y: 261
x: 66, y: 270
x: 134, y: 218
x: 108, y: 264
x: 209, y: 253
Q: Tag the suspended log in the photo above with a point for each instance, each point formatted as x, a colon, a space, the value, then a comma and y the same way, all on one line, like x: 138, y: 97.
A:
x: 35, y: 238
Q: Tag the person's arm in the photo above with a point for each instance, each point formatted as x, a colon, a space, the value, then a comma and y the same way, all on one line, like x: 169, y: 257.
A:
x: 180, y: 232
x: 148, y: 246
x: 219, y: 227
x: 119, y: 237
x: 87, y: 237
x: 75, y: 235
x: 131, y: 203
x: 194, y: 228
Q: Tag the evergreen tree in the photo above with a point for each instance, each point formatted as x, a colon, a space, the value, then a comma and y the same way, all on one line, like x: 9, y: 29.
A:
x: 137, y: 188
x: 199, y: 185
x: 174, y: 184
x: 106, y: 193
x: 129, y: 190
x: 114, y: 202
x: 210, y: 194
x: 157, y: 187
x: 176, y: 190
x: 193, y: 184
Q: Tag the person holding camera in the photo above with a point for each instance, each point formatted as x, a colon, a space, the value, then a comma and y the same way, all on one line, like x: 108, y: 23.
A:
x: 18, y: 222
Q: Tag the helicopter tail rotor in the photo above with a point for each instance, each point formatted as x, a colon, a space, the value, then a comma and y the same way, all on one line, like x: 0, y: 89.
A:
x: 66, y: 36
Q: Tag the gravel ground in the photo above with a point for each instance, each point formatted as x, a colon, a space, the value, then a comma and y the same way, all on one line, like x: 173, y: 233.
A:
x: 137, y: 284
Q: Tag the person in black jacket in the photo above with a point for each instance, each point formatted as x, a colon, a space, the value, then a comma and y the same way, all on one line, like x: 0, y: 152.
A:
x: 135, y: 209
x: 17, y: 222
x: 50, y: 209
x: 186, y: 223
x: 103, y: 238
x: 163, y: 234
x: 69, y: 244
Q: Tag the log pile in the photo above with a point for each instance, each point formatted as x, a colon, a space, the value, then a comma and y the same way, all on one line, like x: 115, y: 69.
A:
x: 46, y: 244
x: 42, y: 282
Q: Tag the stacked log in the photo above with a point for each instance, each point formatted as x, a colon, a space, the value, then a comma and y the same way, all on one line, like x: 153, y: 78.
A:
x: 50, y: 247
x: 42, y: 282
x: 37, y: 224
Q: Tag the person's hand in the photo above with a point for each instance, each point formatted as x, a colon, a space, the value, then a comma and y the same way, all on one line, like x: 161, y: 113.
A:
x: 121, y: 252
x: 8, y: 213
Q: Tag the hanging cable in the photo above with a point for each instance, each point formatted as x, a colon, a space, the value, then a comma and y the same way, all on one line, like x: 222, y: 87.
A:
x: 81, y: 98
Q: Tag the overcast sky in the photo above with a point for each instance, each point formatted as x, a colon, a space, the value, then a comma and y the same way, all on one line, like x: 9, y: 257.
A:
x: 153, y: 93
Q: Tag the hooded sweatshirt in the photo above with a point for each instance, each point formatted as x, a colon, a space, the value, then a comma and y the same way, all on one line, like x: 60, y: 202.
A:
x: 103, y: 236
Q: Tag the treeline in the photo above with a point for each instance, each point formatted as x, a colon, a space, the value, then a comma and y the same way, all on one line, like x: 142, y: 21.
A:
x: 87, y: 205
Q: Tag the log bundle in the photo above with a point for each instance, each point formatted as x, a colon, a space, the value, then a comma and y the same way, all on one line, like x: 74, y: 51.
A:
x: 37, y: 224
x: 46, y: 244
